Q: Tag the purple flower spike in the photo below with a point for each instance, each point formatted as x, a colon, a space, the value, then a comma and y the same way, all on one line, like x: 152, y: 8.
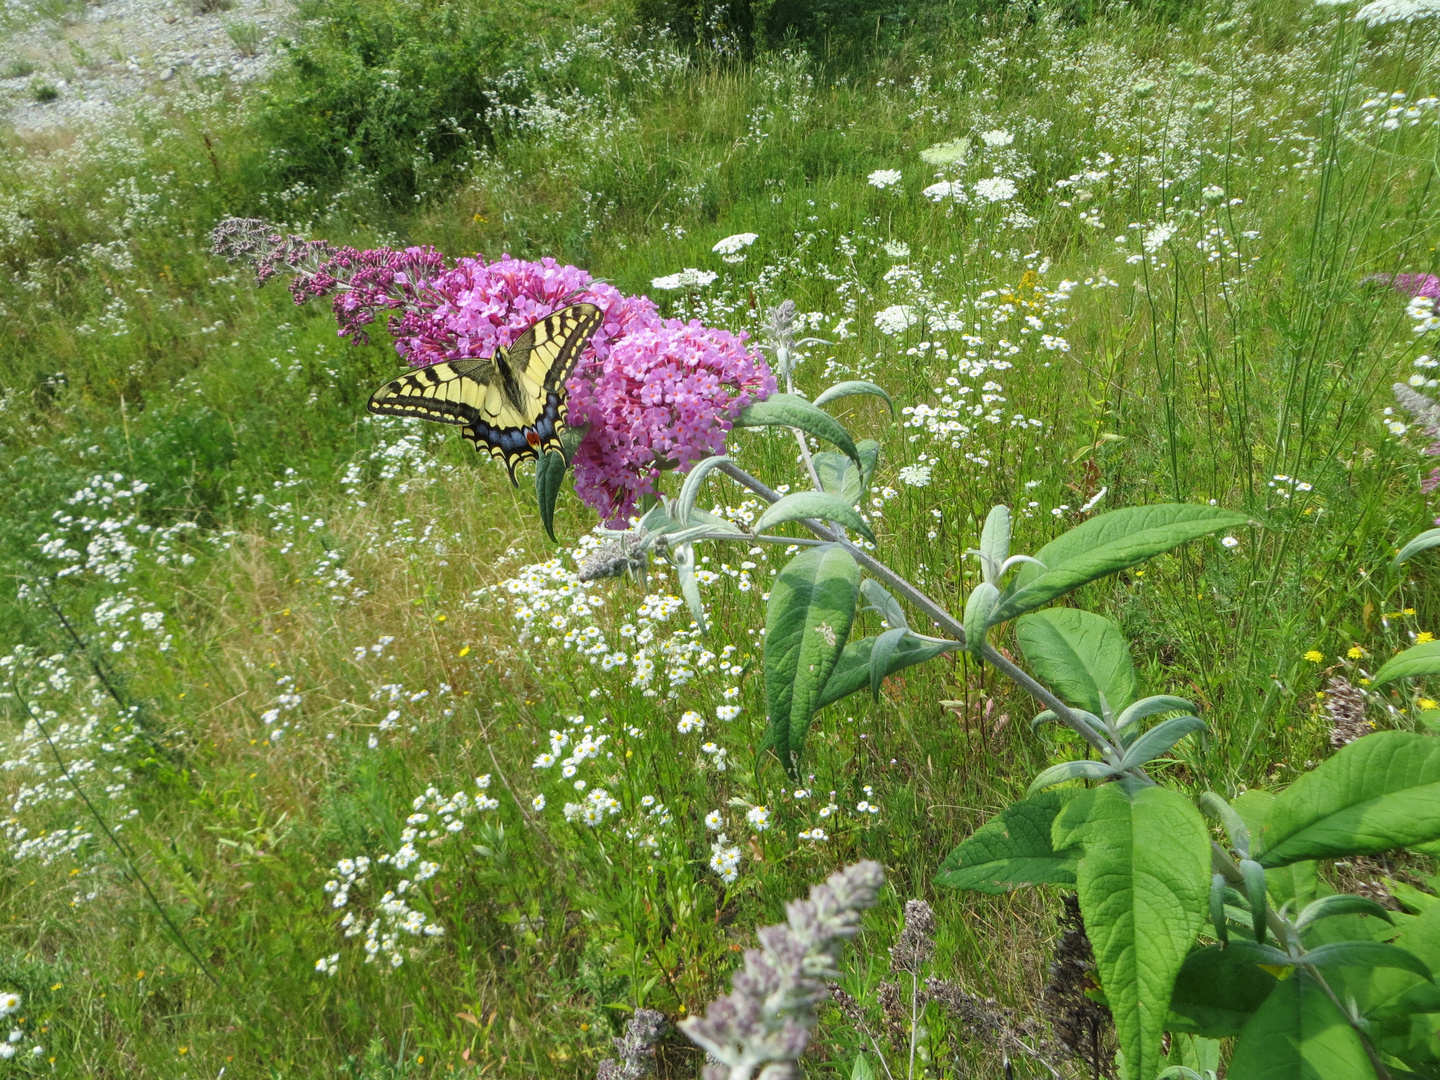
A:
x: 765, y: 1021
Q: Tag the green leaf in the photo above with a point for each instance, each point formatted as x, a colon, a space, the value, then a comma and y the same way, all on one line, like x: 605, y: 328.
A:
x: 862, y: 1069
x: 978, y: 609
x: 1368, y: 954
x: 1415, y: 662
x: 1072, y: 770
x: 813, y: 504
x: 849, y: 389
x: 1391, y: 993
x: 879, y: 598
x: 995, y: 536
x: 1217, y: 991
x: 1298, y: 883
x: 812, y: 604
x: 1150, y: 706
x: 549, y: 473
x: 1105, y: 544
x: 1379, y: 792
x: 839, y: 475
x: 881, y: 655
x: 788, y: 410
x: 690, y: 490
x: 1080, y: 656
x: 1143, y: 881
x: 1299, y: 1034
x: 1218, y: 919
x: 1340, y: 904
x: 683, y: 559
x: 1426, y: 540
x: 852, y: 671
x: 1234, y: 824
x: 1254, y: 875
x: 1195, y: 1053
x: 1159, y: 740
x: 1012, y: 849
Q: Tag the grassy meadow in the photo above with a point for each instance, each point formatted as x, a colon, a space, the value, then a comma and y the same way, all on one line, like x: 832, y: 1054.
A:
x: 254, y: 637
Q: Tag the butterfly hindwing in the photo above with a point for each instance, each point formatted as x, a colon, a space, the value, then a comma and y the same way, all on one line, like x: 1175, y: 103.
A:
x: 511, y: 404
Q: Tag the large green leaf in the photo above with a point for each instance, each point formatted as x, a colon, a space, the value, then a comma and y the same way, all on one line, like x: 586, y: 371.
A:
x: 1217, y: 991
x: 1013, y: 849
x: 1379, y: 792
x: 788, y: 410
x: 1396, y: 993
x: 1105, y: 544
x: 852, y: 671
x: 812, y: 604
x: 1143, y: 880
x: 1299, y: 1034
x: 813, y: 504
x: 1415, y: 662
x: 850, y: 389
x: 1080, y: 656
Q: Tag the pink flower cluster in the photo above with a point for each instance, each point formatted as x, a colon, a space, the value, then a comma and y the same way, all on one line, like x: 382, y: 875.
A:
x: 656, y: 394
x: 663, y: 398
x: 475, y: 307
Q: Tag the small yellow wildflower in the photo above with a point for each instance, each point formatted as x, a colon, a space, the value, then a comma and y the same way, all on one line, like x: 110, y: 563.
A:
x: 1428, y: 703
x: 1314, y: 656
x: 1409, y: 611
x: 465, y: 651
x: 1355, y: 652
x: 1424, y: 637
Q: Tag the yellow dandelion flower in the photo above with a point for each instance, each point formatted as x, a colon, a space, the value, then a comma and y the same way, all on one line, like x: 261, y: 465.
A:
x: 1428, y: 703
x: 1314, y: 656
x: 1355, y: 652
x: 1409, y: 611
x: 1424, y: 637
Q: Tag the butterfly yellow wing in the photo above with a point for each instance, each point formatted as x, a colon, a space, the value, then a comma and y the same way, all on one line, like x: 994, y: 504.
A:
x: 511, y: 404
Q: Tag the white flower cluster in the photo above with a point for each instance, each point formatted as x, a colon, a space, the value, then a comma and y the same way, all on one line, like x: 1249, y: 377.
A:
x: 725, y: 859
x: 10, y: 1005
x: 75, y: 719
x: 435, y: 819
x: 594, y: 809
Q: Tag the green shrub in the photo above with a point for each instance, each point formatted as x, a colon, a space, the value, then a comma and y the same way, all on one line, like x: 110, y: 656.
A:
x: 392, y: 95
x: 17, y: 69
x: 42, y: 91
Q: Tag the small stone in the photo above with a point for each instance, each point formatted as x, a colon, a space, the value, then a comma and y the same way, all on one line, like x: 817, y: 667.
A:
x: 167, y: 74
x: 171, y: 17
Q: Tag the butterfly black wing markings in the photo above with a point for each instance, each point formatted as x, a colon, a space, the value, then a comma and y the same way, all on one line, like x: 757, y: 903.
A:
x: 512, y: 403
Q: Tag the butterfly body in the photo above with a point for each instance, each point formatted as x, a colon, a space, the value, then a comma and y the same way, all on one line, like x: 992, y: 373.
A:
x: 512, y: 403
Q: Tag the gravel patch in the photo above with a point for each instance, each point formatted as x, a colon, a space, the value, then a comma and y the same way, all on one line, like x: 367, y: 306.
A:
x: 77, y: 67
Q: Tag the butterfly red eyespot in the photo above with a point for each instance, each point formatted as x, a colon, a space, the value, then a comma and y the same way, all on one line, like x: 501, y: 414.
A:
x: 533, y: 439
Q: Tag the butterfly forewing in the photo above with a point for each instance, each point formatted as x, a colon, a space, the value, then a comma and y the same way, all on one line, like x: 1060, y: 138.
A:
x: 511, y: 404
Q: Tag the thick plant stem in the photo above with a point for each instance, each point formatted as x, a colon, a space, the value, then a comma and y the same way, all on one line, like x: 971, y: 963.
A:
x: 934, y: 610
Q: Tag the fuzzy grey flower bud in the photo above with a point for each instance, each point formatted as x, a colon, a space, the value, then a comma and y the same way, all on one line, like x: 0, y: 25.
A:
x: 765, y: 1021
x: 916, y: 943
x: 781, y: 328
x: 613, y: 558
x: 636, y: 1048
